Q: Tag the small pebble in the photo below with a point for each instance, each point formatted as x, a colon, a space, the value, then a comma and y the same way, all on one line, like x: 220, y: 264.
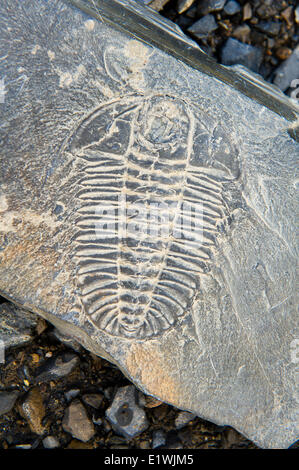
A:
x: 287, y: 71
x: 93, y: 399
x: 235, y: 52
x: 266, y: 10
x: 151, y: 402
x: 287, y: 15
x: 242, y: 33
x: 184, y: 5
x: 144, y: 445
x: 71, y: 394
x: 33, y: 410
x: 247, y: 12
x: 57, y: 367
x: 158, y: 439
x: 74, y: 444
x: 208, y: 6
x: 283, y: 53
x: 232, y: 8
x: 50, y: 442
x: 97, y: 421
x: 77, y: 423
x: 183, y: 418
x: 271, y: 28
x: 7, y: 401
x: 203, y: 27
x: 125, y: 414
x: 155, y: 4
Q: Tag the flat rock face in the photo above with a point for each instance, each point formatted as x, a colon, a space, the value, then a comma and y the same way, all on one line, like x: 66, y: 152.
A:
x: 148, y: 210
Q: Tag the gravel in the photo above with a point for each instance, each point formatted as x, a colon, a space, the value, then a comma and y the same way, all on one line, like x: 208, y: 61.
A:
x: 76, y: 406
x: 270, y: 28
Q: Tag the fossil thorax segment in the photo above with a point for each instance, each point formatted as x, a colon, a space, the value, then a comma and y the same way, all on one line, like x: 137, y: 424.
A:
x: 138, y: 260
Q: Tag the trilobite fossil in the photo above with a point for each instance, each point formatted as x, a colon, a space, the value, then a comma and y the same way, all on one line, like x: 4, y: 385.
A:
x: 137, y: 167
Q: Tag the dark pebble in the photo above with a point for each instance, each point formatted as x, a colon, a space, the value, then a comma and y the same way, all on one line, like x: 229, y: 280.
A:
x: 208, y: 6
x: 203, y: 27
x: 7, y: 401
x: 57, y: 367
x: 287, y: 71
x: 232, y: 7
x: 235, y: 52
x: 271, y: 28
x: 125, y: 414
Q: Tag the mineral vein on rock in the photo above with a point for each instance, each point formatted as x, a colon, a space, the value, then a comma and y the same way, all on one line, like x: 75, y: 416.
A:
x: 136, y: 283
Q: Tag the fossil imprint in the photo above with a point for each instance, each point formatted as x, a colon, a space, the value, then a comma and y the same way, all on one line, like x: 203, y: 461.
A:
x: 136, y: 284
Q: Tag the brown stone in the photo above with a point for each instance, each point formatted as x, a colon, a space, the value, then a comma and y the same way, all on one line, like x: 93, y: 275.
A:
x: 33, y: 410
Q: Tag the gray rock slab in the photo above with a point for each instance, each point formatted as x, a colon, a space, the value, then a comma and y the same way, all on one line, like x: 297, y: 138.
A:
x: 99, y: 129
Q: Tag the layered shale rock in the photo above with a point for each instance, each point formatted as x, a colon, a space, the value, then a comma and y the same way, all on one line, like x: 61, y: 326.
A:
x: 147, y: 206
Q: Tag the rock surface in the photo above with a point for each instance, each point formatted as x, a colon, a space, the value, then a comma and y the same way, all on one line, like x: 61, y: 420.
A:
x: 214, y: 322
